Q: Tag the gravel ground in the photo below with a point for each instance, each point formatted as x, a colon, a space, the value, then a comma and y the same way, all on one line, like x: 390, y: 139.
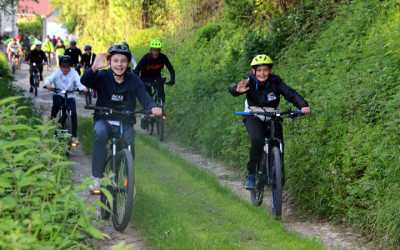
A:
x: 333, y: 236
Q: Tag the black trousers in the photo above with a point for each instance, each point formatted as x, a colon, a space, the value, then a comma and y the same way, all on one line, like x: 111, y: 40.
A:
x: 160, y: 90
x: 58, y: 101
x: 258, y: 131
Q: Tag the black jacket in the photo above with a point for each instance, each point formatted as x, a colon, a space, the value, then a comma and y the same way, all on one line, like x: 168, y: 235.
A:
x: 268, y: 94
x: 118, y: 96
x: 86, y: 60
x: 36, y: 56
x: 150, y: 68
x: 74, y: 54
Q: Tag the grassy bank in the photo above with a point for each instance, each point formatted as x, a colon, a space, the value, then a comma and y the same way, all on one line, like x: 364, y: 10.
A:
x: 178, y: 206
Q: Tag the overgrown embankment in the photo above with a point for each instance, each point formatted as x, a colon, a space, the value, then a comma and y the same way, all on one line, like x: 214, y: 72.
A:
x: 39, y: 208
x: 342, y: 56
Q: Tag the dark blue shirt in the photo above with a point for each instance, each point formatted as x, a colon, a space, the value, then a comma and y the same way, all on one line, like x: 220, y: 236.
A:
x: 118, y: 96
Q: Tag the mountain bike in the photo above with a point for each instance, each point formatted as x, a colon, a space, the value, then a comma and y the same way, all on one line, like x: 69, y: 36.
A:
x: 13, y: 62
x: 36, y: 76
x: 157, y: 120
x: 270, y: 171
x: 64, y: 122
x: 119, y: 162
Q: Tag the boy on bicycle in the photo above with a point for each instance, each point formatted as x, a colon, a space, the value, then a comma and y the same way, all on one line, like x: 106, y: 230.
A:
x: 14, y: 48
x: 36, y: 56
x: 117, y: 88
x: 263, y: 90
x: 150, y: 67
x: 65, y: 79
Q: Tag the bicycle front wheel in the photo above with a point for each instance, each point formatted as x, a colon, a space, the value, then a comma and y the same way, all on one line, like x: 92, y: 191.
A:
x: 36, y: 84
x: 257, y: 194
x: 67, y: 131
x: 105, y: 214
x: 277, y: 182
x: 88, y: 97
x: 150, y: 126
x: 124, y: 190
x: 160, y: 128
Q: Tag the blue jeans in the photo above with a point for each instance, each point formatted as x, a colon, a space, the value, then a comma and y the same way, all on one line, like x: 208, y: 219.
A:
x: 104, y: 131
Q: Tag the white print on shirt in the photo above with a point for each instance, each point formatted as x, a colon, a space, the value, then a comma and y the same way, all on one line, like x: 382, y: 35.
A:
x: 117, y: 98
x: 271, y: 97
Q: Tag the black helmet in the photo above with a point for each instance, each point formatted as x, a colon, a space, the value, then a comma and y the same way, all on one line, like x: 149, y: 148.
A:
x: 72, y: 43
x: 87, y: 47
x: 65, y: 60
x: 120, y: 49
x: 125, y: 43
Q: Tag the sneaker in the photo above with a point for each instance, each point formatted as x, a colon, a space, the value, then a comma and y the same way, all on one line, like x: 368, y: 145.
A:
x: 250, y: 182
x: 96, y: 184
x: 75, y: 140
x: 31, y: 90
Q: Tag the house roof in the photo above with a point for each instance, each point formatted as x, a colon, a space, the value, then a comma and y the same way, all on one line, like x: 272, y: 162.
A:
x: 31, y: 7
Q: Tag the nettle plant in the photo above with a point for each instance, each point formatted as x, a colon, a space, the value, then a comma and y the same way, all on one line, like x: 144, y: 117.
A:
x: 38, y: 204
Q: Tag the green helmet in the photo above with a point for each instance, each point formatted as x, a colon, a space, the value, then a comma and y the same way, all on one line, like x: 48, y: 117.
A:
x: 261, y: 60
x: 155, y: 44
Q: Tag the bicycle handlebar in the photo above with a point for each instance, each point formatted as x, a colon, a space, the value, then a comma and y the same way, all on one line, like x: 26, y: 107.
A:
x: 269, y: 113
x: 156, y: 82
x: 109, y: 111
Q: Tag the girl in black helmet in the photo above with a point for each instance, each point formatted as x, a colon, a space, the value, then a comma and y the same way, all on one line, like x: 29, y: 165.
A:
x: 117, y: 88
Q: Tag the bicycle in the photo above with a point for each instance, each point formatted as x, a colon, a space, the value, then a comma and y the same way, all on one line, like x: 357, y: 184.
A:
x: 270, y: 171
x: 119, y: 164
x: 36, y: 76
x: 64, y: 122
x: 13, y: 62
x: 158, y: 120
x: 90, y: 94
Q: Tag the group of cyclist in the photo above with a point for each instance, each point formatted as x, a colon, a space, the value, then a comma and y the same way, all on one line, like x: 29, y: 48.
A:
x: 119, y: 86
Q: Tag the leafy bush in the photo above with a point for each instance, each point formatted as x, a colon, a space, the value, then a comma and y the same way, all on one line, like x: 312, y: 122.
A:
x: 30, y: 26
x: 207, y: 32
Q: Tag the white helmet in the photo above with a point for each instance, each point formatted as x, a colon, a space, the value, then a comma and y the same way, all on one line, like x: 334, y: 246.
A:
x: 47, y: 40
x: 38, y: 42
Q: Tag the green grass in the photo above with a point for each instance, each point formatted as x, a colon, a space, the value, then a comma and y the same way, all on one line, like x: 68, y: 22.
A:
x: 179, y: 206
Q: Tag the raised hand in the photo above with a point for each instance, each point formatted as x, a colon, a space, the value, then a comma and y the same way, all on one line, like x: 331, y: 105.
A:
x: 100, y: 62
x: 242, y: 86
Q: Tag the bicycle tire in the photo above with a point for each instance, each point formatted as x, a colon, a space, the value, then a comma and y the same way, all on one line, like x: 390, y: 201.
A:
x: 123, y: 197
x: 88, y: 98
x: 103, y: 212
x: 160, y: 128
x: 150, y: 126
x: 67, y: 126
x: 36, y: 84
x: 257, y: 194
x: 277, y: 182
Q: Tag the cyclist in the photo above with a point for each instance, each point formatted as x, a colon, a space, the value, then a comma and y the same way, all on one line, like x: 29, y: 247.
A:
x: 25, y: 43
x: 151, y: 65
x: 36, y: 56
x: 74, y: 53
x: 117, y: 88
x: 48, y: 48
x: 263, y: 90
x: 66, y: 41
x: 65, y: 78
x: 14, y: 48
x: 60, y: 50
x: 87, y: 59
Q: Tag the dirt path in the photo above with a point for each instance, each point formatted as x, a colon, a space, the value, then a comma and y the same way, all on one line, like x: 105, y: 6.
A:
x: 83, y: 167
x: 332, y: 236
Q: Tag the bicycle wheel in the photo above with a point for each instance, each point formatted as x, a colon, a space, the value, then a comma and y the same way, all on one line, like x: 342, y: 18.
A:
x: 257, y: 194
x: 36, y: 84
x: 124, y: 191
x: 277, y: 182
x: 67, y: 130
x: 88, y: 97
x: 103, y: 212
x: 160, y: 128
x: 150, y: 126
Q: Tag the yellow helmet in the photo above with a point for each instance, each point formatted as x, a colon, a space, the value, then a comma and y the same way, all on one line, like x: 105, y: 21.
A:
x: 261, y: 60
